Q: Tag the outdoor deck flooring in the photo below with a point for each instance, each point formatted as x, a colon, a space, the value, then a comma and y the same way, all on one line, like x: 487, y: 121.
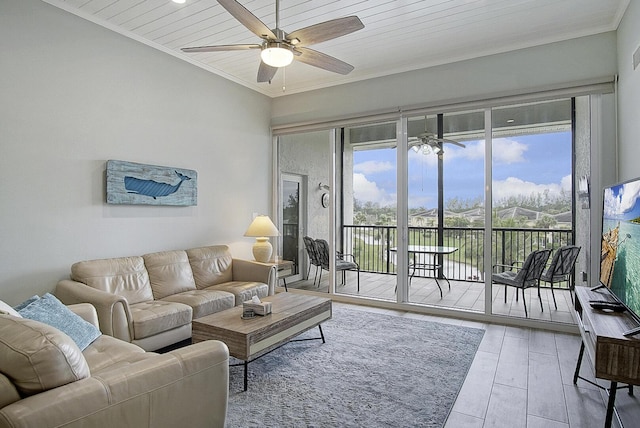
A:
x: 465, y: 295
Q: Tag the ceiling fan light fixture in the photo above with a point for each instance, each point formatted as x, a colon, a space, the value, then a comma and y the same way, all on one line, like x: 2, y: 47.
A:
x: 276, y: 56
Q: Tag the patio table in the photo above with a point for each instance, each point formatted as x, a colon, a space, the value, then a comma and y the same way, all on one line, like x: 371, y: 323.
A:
x: 433, y: 265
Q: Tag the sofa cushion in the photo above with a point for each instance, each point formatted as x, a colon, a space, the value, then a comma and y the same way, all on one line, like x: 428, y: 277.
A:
x: 204, y: 302
x: 157, y: 316
x: 8, y: 392
x: 37, y: 357
x: 108, y: 353
x: 211, y: 265
x: 51, y: 311
x: 124, y: 276
x: 243, y: 290
x: 169, y: 273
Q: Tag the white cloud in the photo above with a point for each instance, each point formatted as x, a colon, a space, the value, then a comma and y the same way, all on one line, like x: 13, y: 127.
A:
x: 513, y: 187
x: 368, y: 191
x: 372, y: 167
x: 504, y: 151
x: 629, y: 194
x: 565, y: 183
x: 625, y: 201
x: 508, y: 151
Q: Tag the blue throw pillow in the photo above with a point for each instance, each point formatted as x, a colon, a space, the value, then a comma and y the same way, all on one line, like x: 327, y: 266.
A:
x: 49, y: 310
x: 26, y: 303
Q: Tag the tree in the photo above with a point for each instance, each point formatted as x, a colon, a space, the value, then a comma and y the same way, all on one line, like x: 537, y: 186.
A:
x: 546, y: 222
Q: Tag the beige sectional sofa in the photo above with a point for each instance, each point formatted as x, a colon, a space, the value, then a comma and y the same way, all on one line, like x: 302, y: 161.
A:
x: 46, y: 381
x: 150, y: 300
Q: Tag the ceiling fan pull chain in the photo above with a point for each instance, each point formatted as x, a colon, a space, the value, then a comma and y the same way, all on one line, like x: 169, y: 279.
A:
x: 284, y: 79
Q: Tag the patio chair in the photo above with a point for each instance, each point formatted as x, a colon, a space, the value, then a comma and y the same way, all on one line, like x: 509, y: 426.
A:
x: 312, y: 252
x: 561, y: 267
x: 526, y: 276
x: 342, y: 264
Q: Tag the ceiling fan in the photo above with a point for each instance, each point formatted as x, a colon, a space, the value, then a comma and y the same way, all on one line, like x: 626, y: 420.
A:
x: 279, y: 48
x: 428, y: 142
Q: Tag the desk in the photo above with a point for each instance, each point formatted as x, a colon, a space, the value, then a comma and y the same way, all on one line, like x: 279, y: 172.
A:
x: 433, y: 266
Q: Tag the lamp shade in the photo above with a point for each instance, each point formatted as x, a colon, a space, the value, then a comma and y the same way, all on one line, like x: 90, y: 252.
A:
x: 276, y: 56
x: 261, y: 228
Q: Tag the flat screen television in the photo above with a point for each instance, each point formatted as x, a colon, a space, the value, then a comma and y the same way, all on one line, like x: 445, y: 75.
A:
x: 620, y: 245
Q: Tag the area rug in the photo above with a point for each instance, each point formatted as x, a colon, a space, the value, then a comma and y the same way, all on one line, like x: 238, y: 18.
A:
x: 373, y: 371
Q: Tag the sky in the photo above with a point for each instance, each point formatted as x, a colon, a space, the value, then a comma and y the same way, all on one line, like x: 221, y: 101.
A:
x: 622, y: 201
x: 522, y: 165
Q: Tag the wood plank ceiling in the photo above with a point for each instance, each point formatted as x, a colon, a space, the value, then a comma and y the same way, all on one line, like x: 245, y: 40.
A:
x: 399, y: 35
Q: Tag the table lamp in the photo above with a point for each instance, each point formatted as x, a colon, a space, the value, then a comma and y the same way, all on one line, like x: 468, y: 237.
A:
x: 261, y: 228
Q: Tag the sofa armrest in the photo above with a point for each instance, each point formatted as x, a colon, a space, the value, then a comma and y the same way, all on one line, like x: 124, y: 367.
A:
x: 249, y: 270
x: 190, y: 384
x: 87, y: 312
x: 114, y: 314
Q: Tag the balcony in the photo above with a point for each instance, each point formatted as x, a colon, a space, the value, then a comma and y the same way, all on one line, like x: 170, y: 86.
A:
x: 372, y: 248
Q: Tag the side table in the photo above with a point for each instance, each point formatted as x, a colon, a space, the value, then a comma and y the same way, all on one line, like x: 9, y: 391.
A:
x: 284, y: 270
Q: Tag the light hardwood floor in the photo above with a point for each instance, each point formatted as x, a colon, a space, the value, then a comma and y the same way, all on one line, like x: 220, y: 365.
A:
x: 523, y: 377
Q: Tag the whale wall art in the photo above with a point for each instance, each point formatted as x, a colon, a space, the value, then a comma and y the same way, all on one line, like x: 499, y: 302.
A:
x: 139, y: 184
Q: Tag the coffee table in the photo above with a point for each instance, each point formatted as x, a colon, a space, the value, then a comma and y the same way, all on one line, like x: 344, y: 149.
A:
x: 248, y: 339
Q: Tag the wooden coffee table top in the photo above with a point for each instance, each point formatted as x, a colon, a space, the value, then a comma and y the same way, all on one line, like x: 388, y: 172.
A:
x: 247, y: 339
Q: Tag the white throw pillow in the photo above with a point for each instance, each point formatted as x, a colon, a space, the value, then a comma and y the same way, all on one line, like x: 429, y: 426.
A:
x: 6, y: 309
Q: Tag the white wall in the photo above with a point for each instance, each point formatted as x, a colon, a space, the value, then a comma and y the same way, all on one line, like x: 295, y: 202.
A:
x: 522, y: 71
x: 307, y: 154
x: 629, y: 94
x: 72, y: 96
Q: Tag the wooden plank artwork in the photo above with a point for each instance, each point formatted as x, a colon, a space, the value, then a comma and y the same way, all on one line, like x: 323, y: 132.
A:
x: 140, y: 184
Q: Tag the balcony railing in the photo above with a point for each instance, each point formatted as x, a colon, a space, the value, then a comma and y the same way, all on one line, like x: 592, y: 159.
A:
x: 371, y: 246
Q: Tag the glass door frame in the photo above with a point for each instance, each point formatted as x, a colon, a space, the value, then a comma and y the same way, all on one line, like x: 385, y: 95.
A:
x: 302, y: 220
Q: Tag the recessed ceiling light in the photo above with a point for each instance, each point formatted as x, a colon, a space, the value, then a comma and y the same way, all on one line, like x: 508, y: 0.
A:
x: 510, y: 121
x: 179, y: 1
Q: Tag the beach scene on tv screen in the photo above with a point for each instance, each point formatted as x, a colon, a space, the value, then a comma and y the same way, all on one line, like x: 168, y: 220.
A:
x: 620, y: 258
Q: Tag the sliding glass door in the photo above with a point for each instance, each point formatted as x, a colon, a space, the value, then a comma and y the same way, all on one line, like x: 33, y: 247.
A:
x: 427, y: 205
x: 445, y: 204
x: 532, y: 206
x: 367, y: 210
x: 304, y: 161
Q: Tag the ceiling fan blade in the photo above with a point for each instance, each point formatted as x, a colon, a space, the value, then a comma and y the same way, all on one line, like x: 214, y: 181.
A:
x: 220, y: 48
x: 428, y: 137
x: 430, y: 140
x: 324, y: 61
x: 266, y: 72
x: 247, y: 19
x: 455, y: 143
x: 326, y: 30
